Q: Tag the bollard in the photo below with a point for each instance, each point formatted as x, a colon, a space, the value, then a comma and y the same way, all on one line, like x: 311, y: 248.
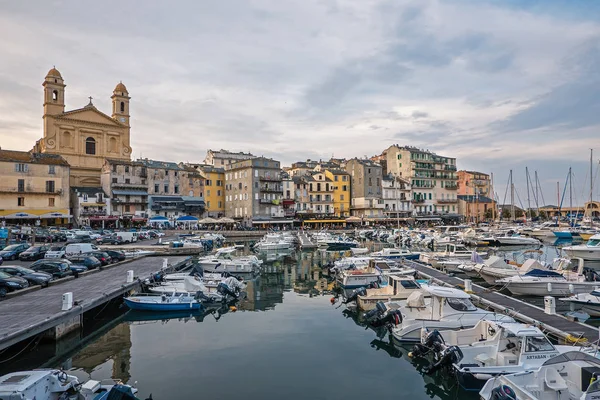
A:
x: 165, y: 263
x: 549, y: 305
x: 130, y: 276
x: 468, y: 286
x: 571, y: 288
x: 549, y: 287
x: 67, y: 301
x: 159, y: 240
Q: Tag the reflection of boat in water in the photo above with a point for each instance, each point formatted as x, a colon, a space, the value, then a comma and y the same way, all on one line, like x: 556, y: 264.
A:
x: 198, y: 315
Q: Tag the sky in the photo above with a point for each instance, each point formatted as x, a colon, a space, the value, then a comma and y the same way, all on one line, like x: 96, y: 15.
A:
x: 499, y: 85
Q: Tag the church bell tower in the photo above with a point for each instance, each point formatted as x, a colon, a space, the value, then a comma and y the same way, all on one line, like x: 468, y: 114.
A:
x: 54, y: 93
x: 120, y: 104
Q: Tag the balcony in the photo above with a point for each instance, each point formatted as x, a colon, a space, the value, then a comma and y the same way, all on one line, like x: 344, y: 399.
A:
x: 451, y: 187
x: 478, y: 182
x: 87, y: 213
x: 130, y: 201
x: 418, y: 200
x: 128, y: 185
x: 271, y: 190
x: 164, y: 207
x: 57, y: 192
x: 270, y: 178
x: 267, y: 201
x: 447, y: 201
x: 450, y: 167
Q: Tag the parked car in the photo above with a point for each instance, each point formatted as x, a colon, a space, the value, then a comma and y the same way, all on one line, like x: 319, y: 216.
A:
x: 109, y: 239
x: 76, y: 249
x: 79, y: 239
x: 143, y: 235
x: 101, y: 256
x: 55, y: 252
x: 33, y: 253
x: 9, y: 283
x: 116, y: 255
x: 88, y: 261
x: 1, y: 260
x: 157, y: 233
x: 57, y: 268
x: 128, y: 237
x: 32, y: 277
x: 12, y: 252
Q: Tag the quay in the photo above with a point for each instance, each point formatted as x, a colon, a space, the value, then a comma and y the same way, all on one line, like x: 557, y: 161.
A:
x: 305, y: 242
x: 40, y: 311
x: 556, y: 325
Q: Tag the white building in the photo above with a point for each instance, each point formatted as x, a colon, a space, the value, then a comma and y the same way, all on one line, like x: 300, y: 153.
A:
x: 396, y: 197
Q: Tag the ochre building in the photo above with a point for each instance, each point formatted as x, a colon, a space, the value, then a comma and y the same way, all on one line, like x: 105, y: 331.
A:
x: 84, y: 136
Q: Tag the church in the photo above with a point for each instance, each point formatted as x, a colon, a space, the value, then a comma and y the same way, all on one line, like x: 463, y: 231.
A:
x: 84, y: 136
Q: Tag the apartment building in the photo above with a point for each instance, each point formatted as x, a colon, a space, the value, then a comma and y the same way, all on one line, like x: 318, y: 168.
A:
x: 221, y: 158
x: 365, y: 179
x: 473, y: 183
x: 320, y: 194
x: 254, y: 190
x: 214, y: 188
x: 341, y: 191
x: 396, y: 194
x: 34, y: 188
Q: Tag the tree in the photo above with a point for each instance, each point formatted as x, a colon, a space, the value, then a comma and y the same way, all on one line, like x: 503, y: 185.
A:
x: 489, y: 213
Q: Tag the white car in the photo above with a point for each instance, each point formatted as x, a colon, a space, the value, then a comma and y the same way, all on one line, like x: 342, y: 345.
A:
x: 56, y: 252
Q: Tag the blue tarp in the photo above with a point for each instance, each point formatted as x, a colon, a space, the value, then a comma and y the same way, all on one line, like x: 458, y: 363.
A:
x: 543, y: 273
x: 187, y: 218
x: 158, y: 218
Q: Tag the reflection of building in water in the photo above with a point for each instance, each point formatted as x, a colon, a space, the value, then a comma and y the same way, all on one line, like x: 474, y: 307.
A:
x: 263, y: 292
x: 115, y: 345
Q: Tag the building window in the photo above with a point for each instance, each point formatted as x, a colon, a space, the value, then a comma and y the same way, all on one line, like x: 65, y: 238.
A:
x: 51, y: 169
x: 345, y: 188
x: 127, y: 180
x: 127, y: 208
x: 21, y: 167
x: 50, y: 186
x: 143, y: 207
x: 21, y: 185
x: 174, y: 173
x: 240, y: 186
x: 143, y: 181
x: 341, y: 197
x: 127, y: 169
x: 208, y: 204
x: 90, y: 146
x: 220, y: 204
x: 208, y: 192
x: 208, y: 182
x: 21, y: 201
x: 114, y: 180
x: 122, y: 106
x: 51, y: 202
x: 167, y: 188
x: 85, y: 197
x: 114, y: 169
x: 218, y: 193
x: 176, y: 189
x: 219, y: 183
x: 156, y: 189
x: 54, y: 95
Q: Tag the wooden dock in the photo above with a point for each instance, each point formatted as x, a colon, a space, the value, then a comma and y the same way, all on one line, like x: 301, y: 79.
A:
x: 33, y: 313
x: 553, y: 324
x: 305, y: 242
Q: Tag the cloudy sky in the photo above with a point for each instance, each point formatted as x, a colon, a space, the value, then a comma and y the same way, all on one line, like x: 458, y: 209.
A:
x: 496, y: 84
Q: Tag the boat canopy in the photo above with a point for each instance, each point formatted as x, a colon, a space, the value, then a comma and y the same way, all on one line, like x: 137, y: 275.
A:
x: 573, y: 356
x: 439, y: 291
x: 542, y: 273
x: 518, y: 329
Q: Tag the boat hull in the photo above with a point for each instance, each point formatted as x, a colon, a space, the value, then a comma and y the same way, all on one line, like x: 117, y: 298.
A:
x: 587, y: 253
x: 557, y: 289
x: 144, y: 306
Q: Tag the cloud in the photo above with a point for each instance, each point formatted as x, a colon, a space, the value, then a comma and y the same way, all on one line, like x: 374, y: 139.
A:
x: 495, y: 84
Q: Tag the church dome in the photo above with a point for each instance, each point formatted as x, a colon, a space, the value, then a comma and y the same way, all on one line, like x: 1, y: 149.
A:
x: 120, y: 88
x: 53, y: 73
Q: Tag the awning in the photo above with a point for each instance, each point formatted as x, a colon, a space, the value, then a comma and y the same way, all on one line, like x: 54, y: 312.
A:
x: 353, y: 219
x: 187, y: 218
x: 273, y: 221
x: 104, y: 218
x: 288, y: 202
x: 226, y: 220
x: 207, y: 220
x: 325, y: 221
x: 166, y: 199
x: 130, y: 192
x: 158, y: 218
x: 55, y: 215
x: 20, y: 215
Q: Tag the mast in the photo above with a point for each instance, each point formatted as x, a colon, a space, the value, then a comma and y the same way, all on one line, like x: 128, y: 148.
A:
x: 537, y: 196
x: 570, y: 197
x: 528, y: 200
x: 558, y: 202
x: 512, y: 197
x: 591, y: 186
x: 493, y: 199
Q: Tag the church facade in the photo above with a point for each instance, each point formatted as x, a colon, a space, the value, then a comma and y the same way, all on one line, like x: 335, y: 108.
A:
x: 84, y: 137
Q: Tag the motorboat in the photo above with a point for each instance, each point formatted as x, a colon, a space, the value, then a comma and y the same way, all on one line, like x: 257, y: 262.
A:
x: 587, y: 302
x: 449, y: 251
x: 225, y: 261
x: 437, y: 307
x: 352, y: 263
x: 356, y: 251
x: 394, y: 254
x: 398, y: 288
x: 173, y: 302
x: 562, y: 281
x: 337, y: 243
x: 375, y: 274
x: 568, y: 376
x: 212, y: 291
x: 54, y: 384
x: 512, y: 240
x: 274, y: 242
x: 589, y: 251
x: 545, y: 230
x: 489, y: 349
x: 496, y: 268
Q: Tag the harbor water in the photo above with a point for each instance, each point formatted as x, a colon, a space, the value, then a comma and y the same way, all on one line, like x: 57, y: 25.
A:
x: 285, y: 339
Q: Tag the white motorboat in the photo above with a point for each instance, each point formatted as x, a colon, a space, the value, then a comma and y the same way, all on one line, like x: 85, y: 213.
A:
x: 375, y: 273
x: 489, y: 349
x: 274, y: 242
x: 587, y: 302
x: 444, y: 308
x: 394, y: 254
x: 496, y: 268
x: 562, y: 282
x: 398, y: 288
x: 511, y: 240
x: 224, y: 261
x: 212, y: 290
x: 589, y: 251
x: 352, y: 263
x: 356, y: 251
x: 450, y: 251
x: 545, y: 230
x: 568, y: 376
x: 54, y: 384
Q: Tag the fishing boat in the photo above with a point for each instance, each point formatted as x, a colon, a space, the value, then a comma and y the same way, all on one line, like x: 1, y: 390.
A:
x: 398, y: 288
x: 589, y: 251
x: 54, y: 384
x: 395, y: 254
x: 568, y: 376
x: 588, y: 302
x: 560, y: 282
x: 173, y: 302
x: 487, y: 350
x: 436, y: 307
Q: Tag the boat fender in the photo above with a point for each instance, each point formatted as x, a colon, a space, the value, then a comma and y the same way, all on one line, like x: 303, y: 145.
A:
x: 503, y: 392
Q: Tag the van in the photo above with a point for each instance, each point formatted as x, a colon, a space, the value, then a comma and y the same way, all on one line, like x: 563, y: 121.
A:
x: 127, y: 237
x: 74, y: 249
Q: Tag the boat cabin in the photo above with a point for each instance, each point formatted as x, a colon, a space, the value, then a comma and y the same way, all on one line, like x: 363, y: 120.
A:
x: 454, y: 249
x: 444, y: 302
x: 449, y: 229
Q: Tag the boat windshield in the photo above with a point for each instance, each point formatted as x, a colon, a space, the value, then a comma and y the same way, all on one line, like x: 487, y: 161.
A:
x: 537, y: 343
x: 407, y: 284
x: 461, y: 304
x: 593, y: 242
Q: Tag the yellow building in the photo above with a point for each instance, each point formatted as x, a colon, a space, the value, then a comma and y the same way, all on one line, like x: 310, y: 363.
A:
x: 214, y: 189
x: 34, y: 188
x: 341, y: 191
x: 84, y: 137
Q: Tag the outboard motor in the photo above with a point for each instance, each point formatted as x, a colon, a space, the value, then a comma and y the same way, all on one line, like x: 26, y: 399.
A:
x: 379, y: 310
x: 451, y: 355
x: 225, y: 290
x: 503, y: 392
x: 433, y: 342
x: 200, y: 296
x: 380, y: 316
x: 354, y: 295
